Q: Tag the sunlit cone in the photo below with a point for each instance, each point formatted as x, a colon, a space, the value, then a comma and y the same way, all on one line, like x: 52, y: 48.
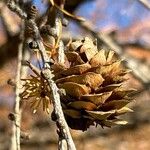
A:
x: 94, y: 86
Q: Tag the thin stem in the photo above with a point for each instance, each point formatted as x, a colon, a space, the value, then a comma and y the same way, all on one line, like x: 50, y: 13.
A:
x: 62, y: 124
x: 23, y: 54
x: 15, y: 140
x: 145, y: 3
x: 63, y: 127
x: 58, y: 26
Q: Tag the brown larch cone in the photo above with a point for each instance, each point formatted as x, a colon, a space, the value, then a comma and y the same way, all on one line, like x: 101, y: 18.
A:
x: 94, y: 86
x: 93, y: 82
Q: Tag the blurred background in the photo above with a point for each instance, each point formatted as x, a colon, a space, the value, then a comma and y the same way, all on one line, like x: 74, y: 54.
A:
x: 121, y: 25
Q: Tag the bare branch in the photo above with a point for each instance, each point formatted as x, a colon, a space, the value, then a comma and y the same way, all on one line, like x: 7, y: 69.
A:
x: 23, y: 54
x: 63, y: 127
x: 62, y: 144
x: 58, y: 26
x: 13, y: 7
x: 15, y: 140
x: 145, y: 3
x: 21, y: 72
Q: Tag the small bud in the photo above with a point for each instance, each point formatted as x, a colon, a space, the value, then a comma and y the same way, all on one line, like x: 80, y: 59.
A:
x: 33, y: 45
x: 11, y: 82
x: 65, y: 22
x: 53, y: 116
x: 11, y: 116
x: 32, y: 13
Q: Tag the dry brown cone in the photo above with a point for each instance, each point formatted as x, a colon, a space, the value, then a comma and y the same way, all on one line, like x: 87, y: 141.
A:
x: 94, y: 86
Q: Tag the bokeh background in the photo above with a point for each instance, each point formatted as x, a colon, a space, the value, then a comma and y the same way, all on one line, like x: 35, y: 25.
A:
x: 121, y: 25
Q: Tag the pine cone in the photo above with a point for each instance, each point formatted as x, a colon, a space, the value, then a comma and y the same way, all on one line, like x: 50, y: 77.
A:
x: 93, y: 82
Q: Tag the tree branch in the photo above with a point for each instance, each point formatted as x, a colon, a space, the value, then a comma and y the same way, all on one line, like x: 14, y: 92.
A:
x: 13, y: 7
x: 145, y: 3
x: 61, y: 122
x: 60, y: 119
x: 23, y: 54
x: 15, y: 140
